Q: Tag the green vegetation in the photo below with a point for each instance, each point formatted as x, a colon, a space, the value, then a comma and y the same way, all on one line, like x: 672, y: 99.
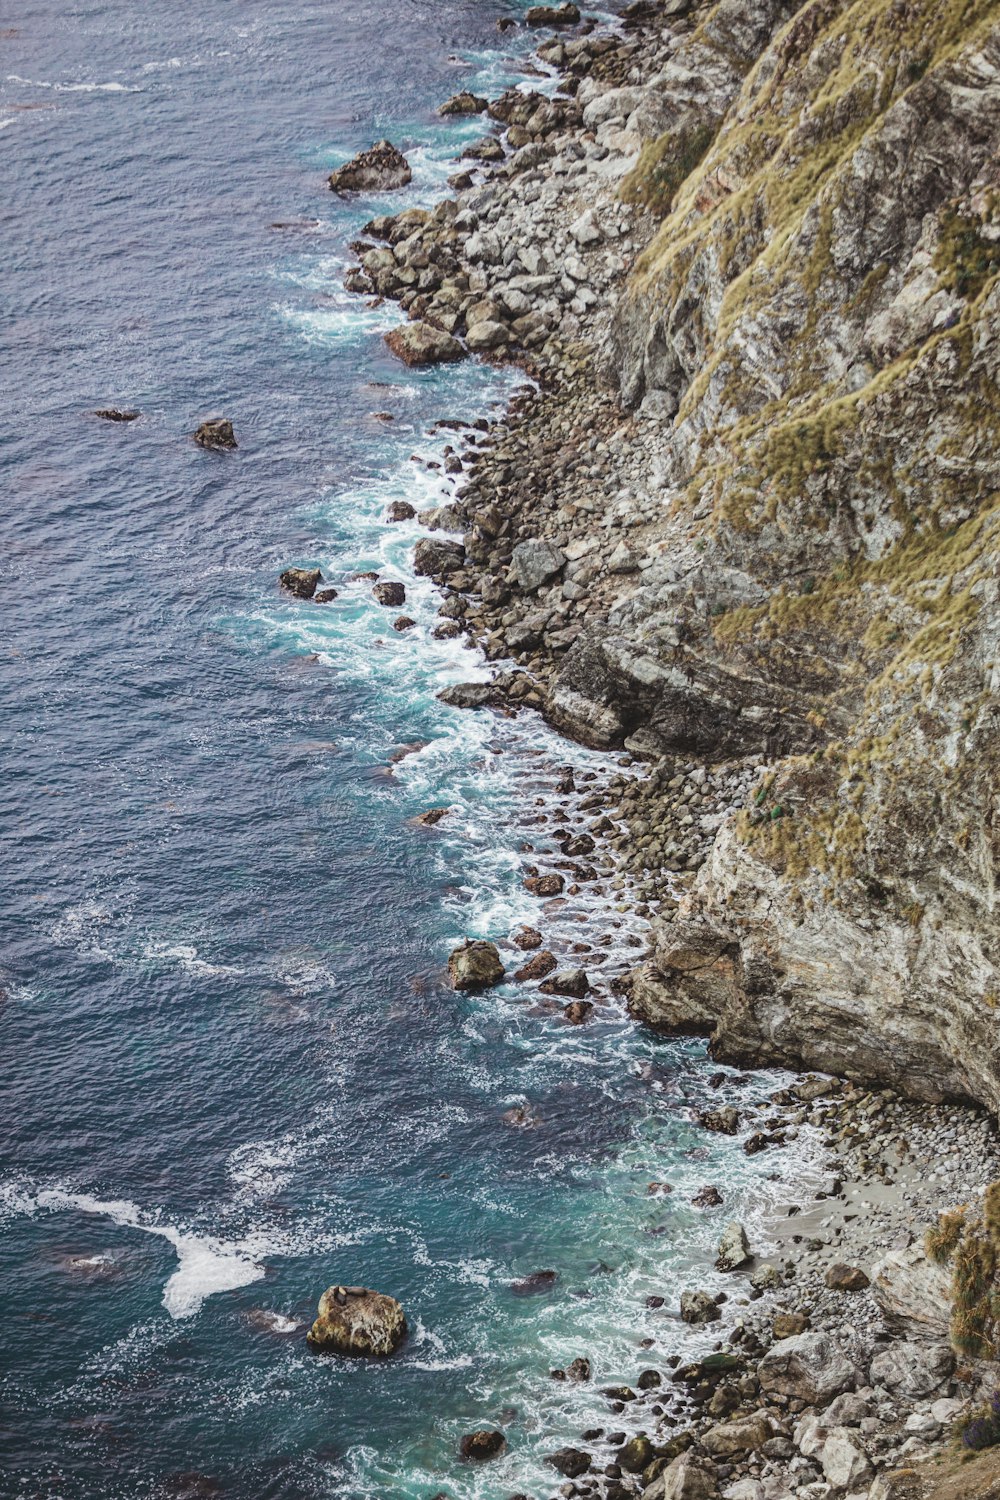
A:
x: 664, y: 165
x: 965, y: 260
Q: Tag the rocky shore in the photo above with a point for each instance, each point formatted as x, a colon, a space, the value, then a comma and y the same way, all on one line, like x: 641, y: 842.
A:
x: 659, y: 581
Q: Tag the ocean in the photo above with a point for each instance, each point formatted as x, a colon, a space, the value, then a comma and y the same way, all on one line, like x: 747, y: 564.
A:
x: 233, y: 1071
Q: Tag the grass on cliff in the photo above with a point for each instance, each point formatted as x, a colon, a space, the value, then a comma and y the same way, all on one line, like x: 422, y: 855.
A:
x: 970, y: 1245
x: 664, y: 165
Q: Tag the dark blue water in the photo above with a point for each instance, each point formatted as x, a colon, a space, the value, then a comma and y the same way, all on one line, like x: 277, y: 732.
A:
x: 232, y: 1073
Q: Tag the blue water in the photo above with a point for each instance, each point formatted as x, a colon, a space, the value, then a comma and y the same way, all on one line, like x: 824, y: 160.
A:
x: 232, y: 1072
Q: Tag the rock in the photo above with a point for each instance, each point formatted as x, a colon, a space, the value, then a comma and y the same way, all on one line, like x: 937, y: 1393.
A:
x: 421, y: 344
x: 572, y: 983
x: 432, y: 817
x: 479, y: 1447
x: 486, y: 335
x: 840, y: 1278
x: 587, y: 230
x: 577, y: 1012
x: 725, y: 1121
x: 116, y: 414
x: 475, y: 966
x: 699, y: 1307
x: 913, y: 1370
x: 570, y: 1462
x: 435, y: 558
x: 544, y: 885
x: 808, y: 1367
x: 688, y: 1477
x: 734, y: 1248
x: 390, y: 594
x: 324, y: 596
x: 302, y: 582
x: 380, y: 169
x: 536, y: 968
x: 216, y: 432
x: 765, y: 1277
x: 552, y: 15
x: 746, y: 1434
x: 787, y: 1325
x: 403, y: 623
x: 356, y: 1321
x: 844, y: 1461
x: 464, y: 104
x: 400, y: 510
x: 534, y: 562
x: 527, y: 938
x: 707, y: 1197
x: 537, y: 1282
x: 913, y: 1292
x: 578, y: 1369
x: 636, y: 1454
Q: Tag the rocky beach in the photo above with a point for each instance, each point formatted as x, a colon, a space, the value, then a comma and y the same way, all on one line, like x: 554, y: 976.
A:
x: 720, y: 240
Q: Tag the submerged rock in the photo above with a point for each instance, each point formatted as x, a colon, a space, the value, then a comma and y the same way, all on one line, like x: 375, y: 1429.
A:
x: 302, y: 582
x: 116, y: 414
x: 475, y: 966
x: 422, y: 344
x: 217, y: 433
x: 380, y: 169
x: 355, y: 1321
x: 537, y: 1282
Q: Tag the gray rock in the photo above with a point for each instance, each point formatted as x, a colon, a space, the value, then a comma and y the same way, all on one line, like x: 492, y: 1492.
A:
x: 421, y: 344
x: 534, y: 562
x: 808, y: 1367
x: 376, y: 170
x: 734, y: 1248
x: 913, y: 1370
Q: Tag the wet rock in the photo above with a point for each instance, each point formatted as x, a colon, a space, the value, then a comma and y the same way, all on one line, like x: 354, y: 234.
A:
x: 480, y: 1447
x: 578, y: 1369
x: 471, y: 695
x: 698, y: 1308
x: 421, y: 344
x: 527, y: 938
x: 357, y: 1321
x: 570, y: 1462
x: 841, y: 1278
x: 324, y: 596
x: 534, y: 562
x: 522, y: 1117
x: 390, y: 594
x: 734, y: 1248
x: 707, y: 1197
x: 573, y: 983
x: 116, y: 414
x: 808, y: 1367
x: 400, y: 510
x: 475, y: 966
x: 536, y: 1283
x: 302, y: 582
x: 578, y: 1012
x: 544, y: 885
x: 403, y: 623
x: 464, y: 103
x: 432, y: 817
x: 552, y: 15
x: 536, y: 968
x: 380, y: 169
x: 216, y: 433
x: 435, y: 558
x: 725, y: 1121
x: 636, y: 1454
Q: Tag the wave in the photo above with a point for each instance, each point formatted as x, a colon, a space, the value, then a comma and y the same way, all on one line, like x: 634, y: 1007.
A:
x: 76, y: 88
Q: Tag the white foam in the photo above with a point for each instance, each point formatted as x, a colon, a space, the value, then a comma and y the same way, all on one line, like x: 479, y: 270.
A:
x: 76, y: 88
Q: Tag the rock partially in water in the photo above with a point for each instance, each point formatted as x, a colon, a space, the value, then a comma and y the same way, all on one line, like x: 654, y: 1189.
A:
x: 403, y: 622
x: 545, y: 885
x: 570, y: 1462
x: 358, y: 1322
x: 734, y: 1248
x: 527, y: 938
x: 432, y: 817
x: 572, y: 983
x: 698, y: 1308
x: 464, y: 103
x: 117, y: 414
x: 707, y: 1197
x: 421, y: 344
x: 302, y: 582
x: 536, y: 968
x: 536, y: 1283
x: 724, y: 1121
x: 475, y: 966
x: 479, y: 1447
x: 324, y: 596
x: 577, y: 1012
x: 434, y: 557
x: 401, y: 510
x: 471, y: 695
x: 553, y: 15
x: 578, y: 1369
x: 216, y: 433
x: 380, y: 169
x: 688, y: 1477
x: 391, y: 594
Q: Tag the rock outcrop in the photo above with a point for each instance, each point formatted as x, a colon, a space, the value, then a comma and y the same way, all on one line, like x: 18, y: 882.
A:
x: 355, y: 1321
x: 380, y: 169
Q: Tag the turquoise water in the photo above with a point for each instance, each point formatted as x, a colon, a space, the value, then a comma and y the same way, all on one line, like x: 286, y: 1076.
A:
x: 233, y: 1072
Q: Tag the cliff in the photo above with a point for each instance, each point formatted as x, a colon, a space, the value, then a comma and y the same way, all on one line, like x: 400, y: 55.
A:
x: 812, y: 332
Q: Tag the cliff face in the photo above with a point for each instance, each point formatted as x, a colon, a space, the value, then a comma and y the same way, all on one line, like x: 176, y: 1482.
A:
x: 814, y: 331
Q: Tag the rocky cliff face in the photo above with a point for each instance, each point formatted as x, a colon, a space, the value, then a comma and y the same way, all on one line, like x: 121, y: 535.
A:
x: 813, y: 333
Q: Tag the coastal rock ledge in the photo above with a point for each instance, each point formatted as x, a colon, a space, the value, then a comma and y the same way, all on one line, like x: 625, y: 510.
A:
x: 358, y: 1322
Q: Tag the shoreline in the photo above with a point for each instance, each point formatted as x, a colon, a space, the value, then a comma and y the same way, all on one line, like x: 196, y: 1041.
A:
x: 530, y: 607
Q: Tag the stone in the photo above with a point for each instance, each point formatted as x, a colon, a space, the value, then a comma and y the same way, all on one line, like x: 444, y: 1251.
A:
x: 534, y: 562
x: 636, y: 1454
x: 536, y: 968
x: 841, y: 1278
x: 117, y: 414
x: 475, y: 965
x: 724, y: 1121
x: 808, y: 1367
x: 570, y: 1462
x: 765, y: 1277
x: 302, y: 582
x: 390, y: 594
x: 699, y: 1307
x: 788, y: 1325
x: 578, y: 1012
x: 528, y: 938
x: 380, y: 169
x: 734, y: 1248
x: 324, y: 596
x: 403, y: 622
x: 544, y: 885
x: 552, y: 15
x: 572, y: 983
x: 844, y: 1461
x: 356, y: 1321
x: 464, y: 103
x: 578, y: 1369
x: 400, y: 510
x: 432, y: 817
x: 216, y: 433
x: 913, y: 1292
x: 420, y: 343
x: 913, y: 1370
x: 746, y: 1434
x: 533, y: 1285
x: 435, y: 558
x: 586, y: 230
x: 707, y: 1197
x: 486, y: 336
x: 687, y: 1477
x: 481, y: 1446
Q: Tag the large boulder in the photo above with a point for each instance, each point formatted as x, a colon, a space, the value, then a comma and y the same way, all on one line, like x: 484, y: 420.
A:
x: 535, y: 561
x: 377, y: 170
x: 433, y: 557
x: 475, y: 966
x: 216, y: 433
x: 302, y: 582
x: 421, y: 344
x: 734, y: 1248
x: 355, y: 1321
x: 464, y: 103
x: 699, y: 1307
x: 844, y: 1461
x: 808, y: 1367
x: 688, y: 1477
x: 483, y: 1445
x: 390, y: 593
x: 913, y: 1370
x: 913, y: 1292
x: 745, y: 1434
x: 553, y: 15
x: 570, y: 1462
